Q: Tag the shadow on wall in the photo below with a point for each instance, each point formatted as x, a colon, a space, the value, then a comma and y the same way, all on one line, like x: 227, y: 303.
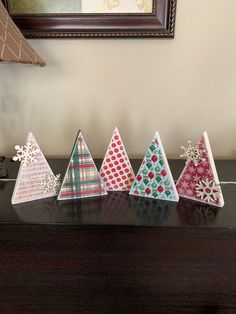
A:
x: 98, y: 146
x: 14, y: 115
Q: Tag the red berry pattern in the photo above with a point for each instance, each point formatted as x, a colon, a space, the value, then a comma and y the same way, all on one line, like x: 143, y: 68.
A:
x: 164, y: 173
x: 154, y: 158
x: 160, y: 189
x: 151, y: 175
x: 154, y: 179
x: 139, y: 178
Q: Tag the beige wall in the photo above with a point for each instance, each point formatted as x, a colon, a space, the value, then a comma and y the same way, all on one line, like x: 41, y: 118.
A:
x: 180, y: 87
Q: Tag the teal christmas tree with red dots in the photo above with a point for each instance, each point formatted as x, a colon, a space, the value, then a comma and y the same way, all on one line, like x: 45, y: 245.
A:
x: 154, y: 179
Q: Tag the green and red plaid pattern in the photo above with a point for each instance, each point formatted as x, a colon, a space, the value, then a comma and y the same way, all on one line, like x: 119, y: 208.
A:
x: 82, y: 178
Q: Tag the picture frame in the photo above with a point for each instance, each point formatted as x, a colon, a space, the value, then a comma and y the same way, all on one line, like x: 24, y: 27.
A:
x: 160, y: 23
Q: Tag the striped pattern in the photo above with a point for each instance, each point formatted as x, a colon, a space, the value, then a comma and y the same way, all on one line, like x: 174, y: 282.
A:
x: 82, y: 178
x: 13, y: 45
x: 28, y: 185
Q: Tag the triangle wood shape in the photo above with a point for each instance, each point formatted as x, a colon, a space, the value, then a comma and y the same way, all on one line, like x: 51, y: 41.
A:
x: 116, y: 170
x: 35, y: 179
x: 154, y: 178
x: 82, y: 179
x: 199, y: 179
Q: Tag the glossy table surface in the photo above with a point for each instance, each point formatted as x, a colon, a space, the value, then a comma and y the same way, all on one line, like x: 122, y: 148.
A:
x: 118, y: 254
x: 118, y: 208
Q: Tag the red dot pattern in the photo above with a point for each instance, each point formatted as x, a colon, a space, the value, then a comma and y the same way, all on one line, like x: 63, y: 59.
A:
x: 116, y: 171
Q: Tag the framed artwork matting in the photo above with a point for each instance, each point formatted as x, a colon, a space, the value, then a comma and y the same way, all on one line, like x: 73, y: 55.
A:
x: 94, y: 18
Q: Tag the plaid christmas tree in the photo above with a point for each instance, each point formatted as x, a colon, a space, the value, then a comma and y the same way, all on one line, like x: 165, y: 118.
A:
x: 82, y: 178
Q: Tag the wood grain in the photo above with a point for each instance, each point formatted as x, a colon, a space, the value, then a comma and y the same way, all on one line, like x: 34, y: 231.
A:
x: 117, y: 269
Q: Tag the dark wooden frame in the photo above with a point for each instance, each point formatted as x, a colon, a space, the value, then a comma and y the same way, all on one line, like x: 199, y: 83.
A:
x: 159, y: 24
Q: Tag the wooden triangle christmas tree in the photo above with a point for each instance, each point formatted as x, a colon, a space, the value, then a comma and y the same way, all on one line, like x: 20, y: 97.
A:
x: 35, y: 178
x: 82, y: 178
x: 199, y: 180
x: 154, y: 178
x: 116, y: 170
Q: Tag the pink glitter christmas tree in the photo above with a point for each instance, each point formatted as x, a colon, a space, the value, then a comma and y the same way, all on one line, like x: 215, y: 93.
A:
x: 199, y: 180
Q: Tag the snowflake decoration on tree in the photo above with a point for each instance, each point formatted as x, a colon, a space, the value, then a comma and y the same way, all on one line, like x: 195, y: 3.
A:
x: 51, y: 183
x: 208, y: 190
x: 193, y: 153
x: 26, y: 154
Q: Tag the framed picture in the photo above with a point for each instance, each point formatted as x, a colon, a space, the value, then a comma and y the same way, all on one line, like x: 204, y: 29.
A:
x: 94, y: 18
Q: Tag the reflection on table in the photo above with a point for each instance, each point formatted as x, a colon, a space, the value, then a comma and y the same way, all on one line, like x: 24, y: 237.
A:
x: 116, y: 208
x: 196, y: 214
x: 150, y: 211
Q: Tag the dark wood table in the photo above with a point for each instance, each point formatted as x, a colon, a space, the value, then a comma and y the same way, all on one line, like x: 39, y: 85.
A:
x: 118, y: 254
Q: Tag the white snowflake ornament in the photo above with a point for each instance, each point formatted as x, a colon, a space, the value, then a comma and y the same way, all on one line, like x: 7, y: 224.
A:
x: 26, y: 154
x: 51, y: 183
x: 192, y: 153
x: 35, y: 179
x: 208, y: 190
x: 200, y: 173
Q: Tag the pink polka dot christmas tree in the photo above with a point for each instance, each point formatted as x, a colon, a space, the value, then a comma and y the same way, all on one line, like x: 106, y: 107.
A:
x: 116, y: 171
x: 199, y: 180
